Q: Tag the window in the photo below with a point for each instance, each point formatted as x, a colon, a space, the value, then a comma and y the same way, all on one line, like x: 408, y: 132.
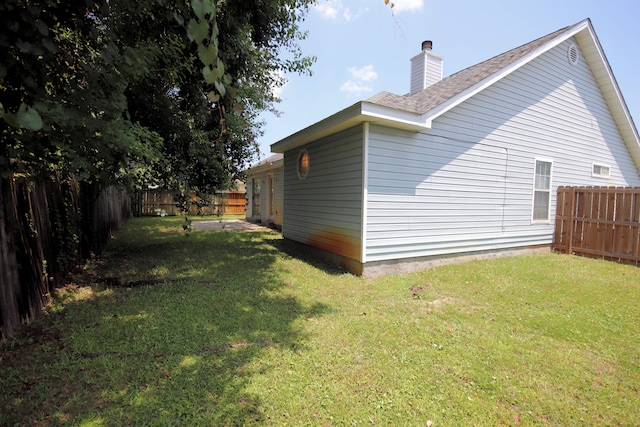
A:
x: 600, y: 171
x: 542, y: 191
x: 303, y: 164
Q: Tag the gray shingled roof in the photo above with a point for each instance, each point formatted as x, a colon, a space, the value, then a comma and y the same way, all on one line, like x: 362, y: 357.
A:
x: 268, y: 161
x: 449, y: 87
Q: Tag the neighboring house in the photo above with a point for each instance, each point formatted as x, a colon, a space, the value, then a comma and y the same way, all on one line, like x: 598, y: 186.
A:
x: 264, y: 191
x: 467, y: 165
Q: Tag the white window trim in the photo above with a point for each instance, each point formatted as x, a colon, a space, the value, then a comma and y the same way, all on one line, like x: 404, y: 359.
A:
x: 596, y: 175
x: 533, y: 191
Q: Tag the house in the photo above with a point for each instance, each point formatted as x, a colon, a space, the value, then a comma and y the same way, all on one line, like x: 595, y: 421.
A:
x: 462, y: 166
x: 265, y: 191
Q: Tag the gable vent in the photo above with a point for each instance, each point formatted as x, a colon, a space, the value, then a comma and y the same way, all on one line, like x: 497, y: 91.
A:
x: 572, y: 54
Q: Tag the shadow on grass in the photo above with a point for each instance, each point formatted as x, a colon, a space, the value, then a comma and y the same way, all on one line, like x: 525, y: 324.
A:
x: 310, y: 255
x: 179, y: 351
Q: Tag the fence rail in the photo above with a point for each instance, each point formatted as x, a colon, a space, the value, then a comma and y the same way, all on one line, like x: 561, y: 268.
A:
x: 599, y: 222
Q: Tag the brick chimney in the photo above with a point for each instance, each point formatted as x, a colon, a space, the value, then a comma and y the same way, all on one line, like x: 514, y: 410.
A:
x: 426, y: 68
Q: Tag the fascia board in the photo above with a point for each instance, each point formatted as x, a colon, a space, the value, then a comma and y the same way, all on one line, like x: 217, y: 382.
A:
x: 338, y: 121
x: 392, y: 117
x: 357, y: 113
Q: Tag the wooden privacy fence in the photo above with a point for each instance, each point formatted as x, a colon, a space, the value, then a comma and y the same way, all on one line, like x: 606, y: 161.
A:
x: 47, y: 227
x: 161, y: 202
x: 599, y: 222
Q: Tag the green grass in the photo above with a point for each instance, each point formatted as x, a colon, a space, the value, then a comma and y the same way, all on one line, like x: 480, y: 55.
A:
x: 222, y: 328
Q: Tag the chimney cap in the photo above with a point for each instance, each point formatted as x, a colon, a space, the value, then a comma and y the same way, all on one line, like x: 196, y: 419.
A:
x: 427, y: 45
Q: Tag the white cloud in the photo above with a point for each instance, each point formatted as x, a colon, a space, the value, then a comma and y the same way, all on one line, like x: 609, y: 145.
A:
x: 366, y: 73
x: 329, y: 8
x: 347, y: 14
x: 358, y: 84
x: 333, y: 9
x: 355, y: 88
x: 406, y: 5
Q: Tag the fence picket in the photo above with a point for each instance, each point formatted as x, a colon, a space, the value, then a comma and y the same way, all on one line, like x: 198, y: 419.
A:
x: 161, y: 202
x: 599, y: 222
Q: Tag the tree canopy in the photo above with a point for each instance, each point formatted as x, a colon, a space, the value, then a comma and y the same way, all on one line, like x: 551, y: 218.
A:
x: 142, y: 92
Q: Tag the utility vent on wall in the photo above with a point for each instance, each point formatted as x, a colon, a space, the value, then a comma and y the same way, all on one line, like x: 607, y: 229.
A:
x: 572, y: 54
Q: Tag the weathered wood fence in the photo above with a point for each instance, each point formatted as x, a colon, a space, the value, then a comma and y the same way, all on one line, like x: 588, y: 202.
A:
x: 161, y: 202
x: 47, y: 227
x: 599, y: 222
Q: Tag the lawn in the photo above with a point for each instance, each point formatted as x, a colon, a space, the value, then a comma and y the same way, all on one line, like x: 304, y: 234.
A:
x: 223, y: 328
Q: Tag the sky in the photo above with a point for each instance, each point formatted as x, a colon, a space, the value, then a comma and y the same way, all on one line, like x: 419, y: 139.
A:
x: 363, y: 47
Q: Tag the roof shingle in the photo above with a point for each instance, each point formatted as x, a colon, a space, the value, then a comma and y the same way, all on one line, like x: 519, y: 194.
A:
x: 447, y: 88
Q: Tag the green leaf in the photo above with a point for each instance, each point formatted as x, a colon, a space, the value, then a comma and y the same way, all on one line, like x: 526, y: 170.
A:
x: 207, y: 54
x: 210, y: 75
x: 179, y: 19
x: 221, y: 70
x: 220, y: 88
x: 29, y: 118
x: 197, y: 31
x: 49, y: 45
x: 202, y: 8
x: 42, y: 28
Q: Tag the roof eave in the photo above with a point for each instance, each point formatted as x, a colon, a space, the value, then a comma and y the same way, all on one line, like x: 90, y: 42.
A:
x: 265, y: 167
x: 354, y: 115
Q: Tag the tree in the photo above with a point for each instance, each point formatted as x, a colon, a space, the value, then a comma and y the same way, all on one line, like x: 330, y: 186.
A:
x: 140, y: 92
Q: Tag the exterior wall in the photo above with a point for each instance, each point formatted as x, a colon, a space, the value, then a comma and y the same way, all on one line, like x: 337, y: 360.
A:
x: 272, y: 209
x: 324, y: 210
x: 467, y: 184
x: 266, y: 215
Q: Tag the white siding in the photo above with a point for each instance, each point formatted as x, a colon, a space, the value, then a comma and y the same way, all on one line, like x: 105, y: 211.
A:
x: 417, y: 73
x: 426, y: 69
x: 433, y: 73
x: 325, y: 209
x: 466, y: 184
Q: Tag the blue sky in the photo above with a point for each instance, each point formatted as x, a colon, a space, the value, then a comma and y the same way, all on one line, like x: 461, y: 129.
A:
x: 362, y: 48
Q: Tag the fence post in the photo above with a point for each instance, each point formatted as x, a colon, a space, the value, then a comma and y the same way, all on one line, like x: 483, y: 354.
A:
x: 571, y: 219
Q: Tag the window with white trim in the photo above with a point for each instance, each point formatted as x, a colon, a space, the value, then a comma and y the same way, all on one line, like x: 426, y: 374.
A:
x: 542, y: 191
x: 600, y: 171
